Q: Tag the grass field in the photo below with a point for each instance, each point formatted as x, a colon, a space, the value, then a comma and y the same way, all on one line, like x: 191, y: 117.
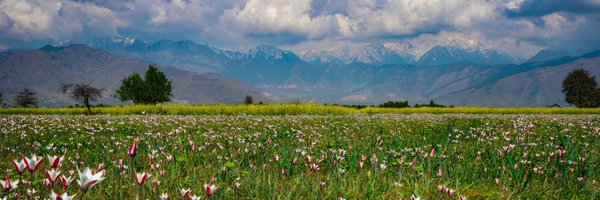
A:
x: 289, y: 109
x: 354, y: 156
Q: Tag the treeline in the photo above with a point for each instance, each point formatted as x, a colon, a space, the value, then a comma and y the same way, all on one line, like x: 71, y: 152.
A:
x: 396, y: 104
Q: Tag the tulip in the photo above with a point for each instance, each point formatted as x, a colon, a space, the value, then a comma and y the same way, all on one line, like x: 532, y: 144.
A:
x: 164, y: 196
x: 413, y: 197
x: 20, y: 166
x: 33, y: 163
x: 55, y: 161
x: 442, y: 188
x: 463, y: 197
x: 52, y: 175
x: 87, y: 179
x: 31, y: 192
x: 185, y: 192
x: 142, y: 177
x: 210, y: 189
x: 440, y: 172
x: 451, y: 191
x: 64, y: 196
x: 433, y: 152
x: 8, y: 185
x: 276, y: 158
x: 66, y: 181
x: 48, y: 183
x: 195, y: 198
x: 132, y: 151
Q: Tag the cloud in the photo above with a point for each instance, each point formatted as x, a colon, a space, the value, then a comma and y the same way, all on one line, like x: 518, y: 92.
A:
x: 279, y: 16
x: 53, y: 19
x: 243, y: 23
x: 317, y: 19
x: 535, y: 8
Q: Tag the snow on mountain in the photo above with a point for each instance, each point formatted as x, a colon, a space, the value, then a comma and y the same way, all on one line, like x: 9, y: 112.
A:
x: 426, y: 50
x: 267, y: 52
x: 440, y: 55
x: 371, y: 54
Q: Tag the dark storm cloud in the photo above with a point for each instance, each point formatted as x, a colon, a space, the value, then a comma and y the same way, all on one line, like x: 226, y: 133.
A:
x: 536, y: 8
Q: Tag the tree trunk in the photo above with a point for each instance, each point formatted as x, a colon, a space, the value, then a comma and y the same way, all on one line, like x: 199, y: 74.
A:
x: 87, y: 104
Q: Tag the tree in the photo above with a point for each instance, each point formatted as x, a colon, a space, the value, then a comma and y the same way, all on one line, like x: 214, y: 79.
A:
x: 580, y: 89
x: 248, y: 100
x: 26, y: 98
x: 83, y: 92
x: 132, y: 88
x: 156, y: 88
x: 0, y: 99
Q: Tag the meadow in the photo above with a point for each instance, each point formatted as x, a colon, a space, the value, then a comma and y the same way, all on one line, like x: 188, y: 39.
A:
x: 288, y: 109
x: 352, y: 156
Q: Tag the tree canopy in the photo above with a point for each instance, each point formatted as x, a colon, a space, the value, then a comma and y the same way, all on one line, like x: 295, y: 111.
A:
x: 154, y: 88
x: 581, y: 89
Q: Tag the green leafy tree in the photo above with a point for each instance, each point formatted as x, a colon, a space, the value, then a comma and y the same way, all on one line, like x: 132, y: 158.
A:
x: 84, y: 92
x: 156, y: 88
x: 26, y: 98
x: 580, y: 89
x: 248, y: 100
x: 132, y: 88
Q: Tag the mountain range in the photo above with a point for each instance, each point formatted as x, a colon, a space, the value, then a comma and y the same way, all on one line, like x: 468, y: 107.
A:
x: 45, y: 69
x: 451, y: 74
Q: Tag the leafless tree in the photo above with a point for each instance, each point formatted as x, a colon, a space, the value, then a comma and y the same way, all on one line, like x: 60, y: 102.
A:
x: 82, y: 92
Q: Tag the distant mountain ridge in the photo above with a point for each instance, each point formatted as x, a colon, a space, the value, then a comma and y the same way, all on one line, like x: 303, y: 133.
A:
x: 367, y: 75
x: 539, y: 86
x: 46, y: 68
x: 371, y: 74
x: 375, y: 53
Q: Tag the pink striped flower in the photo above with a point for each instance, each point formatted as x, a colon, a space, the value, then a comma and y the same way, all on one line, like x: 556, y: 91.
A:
x: 8, y: 185
x: 142, y: 177
x: 185, y: 193
x: 132, y: 151
x: 33, y: 163
x: 52, y: 175
x: 64, y: 196
x: 20, y: 166
x: 210, y: 189
x: 87, y: 179
x: 54, y: 161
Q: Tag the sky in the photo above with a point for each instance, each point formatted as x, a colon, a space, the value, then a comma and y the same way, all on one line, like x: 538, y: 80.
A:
x: 518, y: 26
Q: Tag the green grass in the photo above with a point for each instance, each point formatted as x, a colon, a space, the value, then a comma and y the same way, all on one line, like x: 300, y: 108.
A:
x: 289, y: 109
x: 470, y: 150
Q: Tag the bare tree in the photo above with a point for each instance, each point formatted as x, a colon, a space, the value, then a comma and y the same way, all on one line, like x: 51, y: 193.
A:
x: 83, y: 92
x: 26, y: 98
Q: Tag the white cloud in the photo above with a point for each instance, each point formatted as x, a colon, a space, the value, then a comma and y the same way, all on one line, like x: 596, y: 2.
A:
x: 279, y: 16
x: 56, y: 19
x: 242, y: 23
x: 363, y: 18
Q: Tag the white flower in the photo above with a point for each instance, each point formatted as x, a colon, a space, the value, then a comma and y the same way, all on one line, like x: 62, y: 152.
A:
x: 64, y: 196
x: 8, y: 185
x: 164, y: 196
x: 87, y: 179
